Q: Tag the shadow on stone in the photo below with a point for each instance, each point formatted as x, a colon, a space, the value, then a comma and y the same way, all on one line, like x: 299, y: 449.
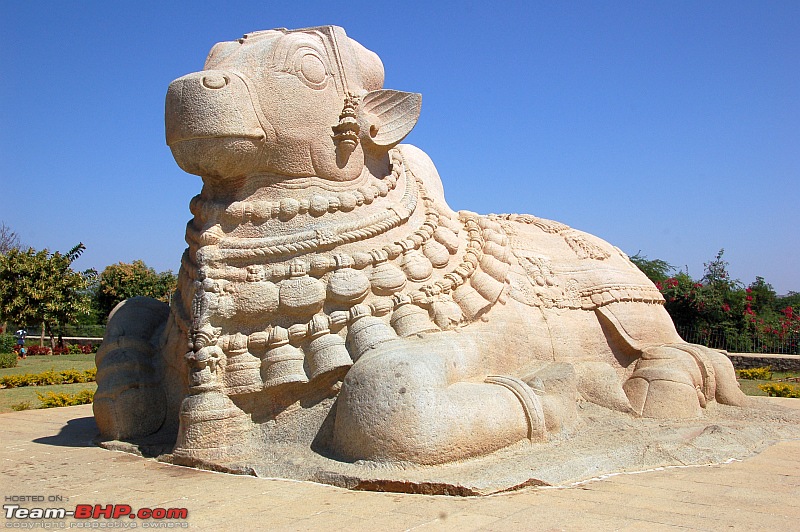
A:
x: 78, y: 432
x: 156, y: 445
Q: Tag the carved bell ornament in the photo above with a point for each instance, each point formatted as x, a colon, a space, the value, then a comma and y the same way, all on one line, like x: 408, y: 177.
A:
x: 447, y: 238
x: 242, y: 369
x: 408, y: 319
x: 436, y: 253
x: 283, y: 362
x: 366, y: 332
x: 325, y: 351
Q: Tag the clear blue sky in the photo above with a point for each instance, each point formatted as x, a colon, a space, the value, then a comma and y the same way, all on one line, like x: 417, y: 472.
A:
x: 667, y: 127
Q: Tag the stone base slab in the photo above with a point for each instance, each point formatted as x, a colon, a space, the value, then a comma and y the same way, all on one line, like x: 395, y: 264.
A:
x: 609, y: 443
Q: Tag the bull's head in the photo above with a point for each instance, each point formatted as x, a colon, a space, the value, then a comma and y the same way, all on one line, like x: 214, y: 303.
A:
x: 295, y: 103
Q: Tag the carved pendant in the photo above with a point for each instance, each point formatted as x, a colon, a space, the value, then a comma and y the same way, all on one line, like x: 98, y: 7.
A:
x: 488, y: 287
x: 325, y: 352
x: 387, y: 279
x: 242, y: 370
x: 416, y: 266
x: 301, y: 295
x: 255, y: 298
x: 436, y: 253
x: 348, y: 286
x: 447, y: 238
x: 470, y: 301
x: 494, y: 267
x: 365, y: 333
x: 446, y: 313
x: 283, y: 362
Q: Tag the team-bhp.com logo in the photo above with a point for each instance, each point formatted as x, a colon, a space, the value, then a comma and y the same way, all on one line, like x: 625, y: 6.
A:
x: 94, y: 511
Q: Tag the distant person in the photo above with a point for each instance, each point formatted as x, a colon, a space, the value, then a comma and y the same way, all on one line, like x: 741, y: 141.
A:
x: 20, y: 336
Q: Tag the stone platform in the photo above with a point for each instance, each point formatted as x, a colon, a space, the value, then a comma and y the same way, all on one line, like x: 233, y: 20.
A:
x: 49, y: 453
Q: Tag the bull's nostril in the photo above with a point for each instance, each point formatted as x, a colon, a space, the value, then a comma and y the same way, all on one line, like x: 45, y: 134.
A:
x: 214, y: 81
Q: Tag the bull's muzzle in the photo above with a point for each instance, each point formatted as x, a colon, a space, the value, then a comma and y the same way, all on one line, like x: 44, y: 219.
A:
x: 210, y: 104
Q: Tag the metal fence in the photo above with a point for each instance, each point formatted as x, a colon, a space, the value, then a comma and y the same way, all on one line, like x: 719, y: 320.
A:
x: 731, y: 341
x: 82, y: 331
x: 737, y: 342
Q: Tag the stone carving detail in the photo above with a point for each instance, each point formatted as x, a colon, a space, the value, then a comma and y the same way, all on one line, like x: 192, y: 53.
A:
x: 330, y: 298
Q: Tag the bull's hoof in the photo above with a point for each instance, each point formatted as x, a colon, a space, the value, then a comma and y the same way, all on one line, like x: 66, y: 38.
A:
x: 662, y: 398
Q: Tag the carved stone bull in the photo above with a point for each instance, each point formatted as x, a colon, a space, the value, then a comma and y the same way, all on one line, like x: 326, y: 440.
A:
x: 329, y: 295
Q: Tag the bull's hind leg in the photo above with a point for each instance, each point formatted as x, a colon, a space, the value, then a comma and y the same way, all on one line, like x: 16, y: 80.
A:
x: 415, y: 400
x: 130, y: 401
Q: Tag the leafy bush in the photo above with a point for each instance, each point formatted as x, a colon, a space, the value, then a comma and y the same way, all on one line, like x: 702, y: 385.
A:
x: 68, y: 376
x: 762, y: 374
x: 722, y: 313
x: 38, y: 350
x: 776, y: 389
x: 77, y: 349
x: 24, y: 405
x: 51, y: 399
x: 7, y: 343
x: 8, y: 360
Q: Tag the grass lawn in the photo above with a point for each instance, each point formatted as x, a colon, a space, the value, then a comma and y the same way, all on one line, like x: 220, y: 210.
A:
x: 13, y: 396
x: 750, y: 386
x: 40, y: 364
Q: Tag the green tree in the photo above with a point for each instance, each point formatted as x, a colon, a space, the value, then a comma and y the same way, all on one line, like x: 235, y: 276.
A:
x: 122, y: 281
x: 37, y: 287
x: 723, y: 297
x: 8, y: 239
x: 792, y: 299
x: 720, y: 312
x: 683, y: 299
x: 656, y: 270
x: 762, y: 298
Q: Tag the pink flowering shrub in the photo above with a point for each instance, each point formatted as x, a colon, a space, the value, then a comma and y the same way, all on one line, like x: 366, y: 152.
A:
x: 721, y: 312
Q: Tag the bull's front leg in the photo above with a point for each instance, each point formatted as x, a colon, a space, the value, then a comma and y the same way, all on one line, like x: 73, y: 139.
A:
x: 671, y: 378
x: 677, y: 380
x: 423, y: 400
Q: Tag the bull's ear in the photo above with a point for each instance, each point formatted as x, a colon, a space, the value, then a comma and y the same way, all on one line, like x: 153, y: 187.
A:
x: 389, y: 115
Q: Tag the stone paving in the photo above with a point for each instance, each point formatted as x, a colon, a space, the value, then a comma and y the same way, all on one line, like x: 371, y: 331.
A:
x: 49, y: 453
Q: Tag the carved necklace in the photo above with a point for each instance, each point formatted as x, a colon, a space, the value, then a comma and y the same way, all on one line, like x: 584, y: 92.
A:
x: 287, y: 208
x: 299, y: 288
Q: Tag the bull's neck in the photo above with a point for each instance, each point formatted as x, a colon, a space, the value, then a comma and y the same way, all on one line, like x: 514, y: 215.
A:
x: 278, y: 216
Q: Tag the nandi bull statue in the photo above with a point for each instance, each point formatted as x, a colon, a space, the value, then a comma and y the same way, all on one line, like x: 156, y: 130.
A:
x: 330, y: 298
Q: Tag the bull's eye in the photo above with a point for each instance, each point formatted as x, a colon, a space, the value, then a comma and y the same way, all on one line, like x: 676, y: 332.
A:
x: 311, y: 70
